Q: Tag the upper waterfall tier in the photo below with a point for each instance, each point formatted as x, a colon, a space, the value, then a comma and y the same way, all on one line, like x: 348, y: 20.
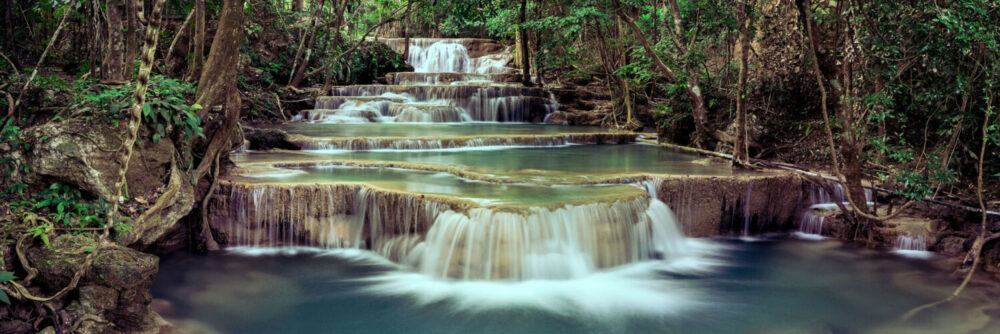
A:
x: 447, y: 78
x: 463, y: 55
x: 477, y: 103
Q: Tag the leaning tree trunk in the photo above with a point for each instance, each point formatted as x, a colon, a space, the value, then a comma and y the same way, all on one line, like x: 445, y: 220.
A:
x: 111, y: 67
x: 218, y: 87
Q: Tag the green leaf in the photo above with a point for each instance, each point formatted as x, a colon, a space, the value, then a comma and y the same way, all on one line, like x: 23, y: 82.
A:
x: 4, y: 298
x: 6, y: 276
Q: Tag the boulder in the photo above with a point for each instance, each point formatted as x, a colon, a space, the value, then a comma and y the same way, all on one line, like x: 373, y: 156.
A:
x: 84, y: 153
x: 116, y: 287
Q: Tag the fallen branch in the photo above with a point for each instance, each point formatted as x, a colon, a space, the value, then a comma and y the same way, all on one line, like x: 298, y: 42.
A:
x: 280, y: 109
x: 16, y: 71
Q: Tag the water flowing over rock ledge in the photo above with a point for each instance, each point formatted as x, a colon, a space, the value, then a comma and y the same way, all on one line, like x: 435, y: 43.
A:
x: 430, y: 143
x: 433, y: 233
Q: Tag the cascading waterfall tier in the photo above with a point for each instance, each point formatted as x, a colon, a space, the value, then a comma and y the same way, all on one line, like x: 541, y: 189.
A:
x: 480, y: 103
x: 437, y: 143
x: 567, y: 242
x: 427, y: 113
x: 462, y: 55
x: 445, y: 78
x: 448, y: 237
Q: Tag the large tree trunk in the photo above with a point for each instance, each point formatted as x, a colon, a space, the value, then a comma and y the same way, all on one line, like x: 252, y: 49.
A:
x: 218, y: 87
x: 220, y: 69
x: 131, y: 37
x: 522, y: 46
x: 199, y: 39
x: 111, y: 67
x: 740, y: 154
x: 297, y: 5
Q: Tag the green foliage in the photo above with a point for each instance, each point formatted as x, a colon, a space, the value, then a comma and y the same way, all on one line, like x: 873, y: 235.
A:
x: 166, y: 110
x: 6, y: 276
x: 64, y: 206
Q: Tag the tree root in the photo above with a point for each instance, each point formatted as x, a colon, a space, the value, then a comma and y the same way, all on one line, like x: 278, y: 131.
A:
x: 206, y: 231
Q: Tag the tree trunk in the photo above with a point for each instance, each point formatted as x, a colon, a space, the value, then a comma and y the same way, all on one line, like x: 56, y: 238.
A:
x: 221, y: 68
x: 335, y: 43
x: 12, y: 47
x: 406, y: 31
x: 310, y: 42
x: 740, y: 154
x: 131, y: 37
x: 522, y: 46
x: 218, y: 86
x: 199, y: 39
x: 297, y: 5
x: 111, y: 67
x: 692, y: 87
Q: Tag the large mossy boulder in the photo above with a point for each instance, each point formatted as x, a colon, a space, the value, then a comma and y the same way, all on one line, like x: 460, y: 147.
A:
x: 83, y: 153
x: 116, y: 287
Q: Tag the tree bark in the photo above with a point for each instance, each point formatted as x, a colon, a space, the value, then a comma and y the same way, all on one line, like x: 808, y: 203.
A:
x: 297, y: 5
x: 131, y: 37
x: 217, y: 86
x: 221, y: 68
x: 111, y: 67
x: 522, y: 46
x: 199, y: 39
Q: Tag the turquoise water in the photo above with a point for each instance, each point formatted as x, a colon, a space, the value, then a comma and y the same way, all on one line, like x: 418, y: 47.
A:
x: 440, y: 183
x: 573, y: 162
x: 770, y: 286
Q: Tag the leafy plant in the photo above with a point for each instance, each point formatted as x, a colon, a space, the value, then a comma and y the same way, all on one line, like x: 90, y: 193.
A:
x: 166, y: 109
x: 6, y: 276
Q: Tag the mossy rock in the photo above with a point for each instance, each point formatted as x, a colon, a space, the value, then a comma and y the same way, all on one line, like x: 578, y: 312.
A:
x: 116, y: 267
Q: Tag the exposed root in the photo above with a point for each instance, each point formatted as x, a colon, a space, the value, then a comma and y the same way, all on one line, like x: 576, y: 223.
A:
x: 206, y: 230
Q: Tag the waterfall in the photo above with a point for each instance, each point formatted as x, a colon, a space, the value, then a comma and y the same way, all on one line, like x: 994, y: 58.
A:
x: 908, y: 243
x: 568, y: 242
x: 454, y: 143
x: 437, y: 238
x: 480, y: 103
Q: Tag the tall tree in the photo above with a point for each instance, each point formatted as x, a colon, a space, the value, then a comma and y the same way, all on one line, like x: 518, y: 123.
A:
x: 199, y: 39
x: 217, y: 87
x: 691, y: 85
x: 309, y: 40
x: 522, y: 45
x: 131, y: 36
x: 111, y: 67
